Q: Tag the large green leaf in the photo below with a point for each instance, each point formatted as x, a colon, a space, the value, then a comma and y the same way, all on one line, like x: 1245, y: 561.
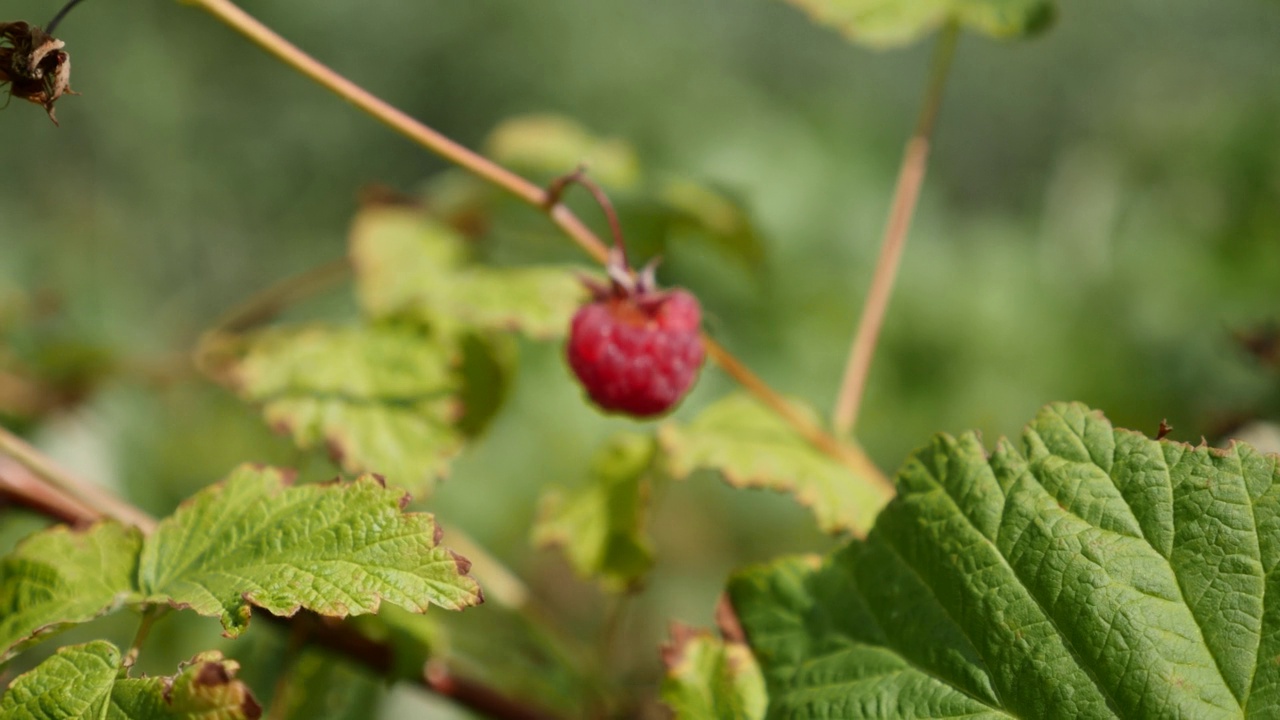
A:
x: 708, y: 677
x: 885, y: 23
x: 408, y: 263
x: 61, y: 576
x: 750, y: 447
x: 91, y: 681
x: 1093, y: 573
x: 384, y: 399
x: 337, y: 549
x: 601, y: 527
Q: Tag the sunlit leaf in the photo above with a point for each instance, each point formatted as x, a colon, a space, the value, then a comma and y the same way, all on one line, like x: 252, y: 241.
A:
x: 708, y: 677
x: 601, y: 526
x: 408, y: 263
x: 384, y: 399
x: 554, y: 145
x: 90, y: 681
x: 338, y: 549
x: 751, y: 447
x: 59, y: 577
x: 1091, y: 573
x: 885, y: 23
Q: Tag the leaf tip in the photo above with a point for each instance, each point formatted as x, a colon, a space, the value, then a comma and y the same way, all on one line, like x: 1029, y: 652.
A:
x: 674, y: 649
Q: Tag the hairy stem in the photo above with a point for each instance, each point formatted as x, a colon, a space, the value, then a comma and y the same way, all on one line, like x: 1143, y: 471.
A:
x: 150, y: 615
x: 570, y: 224
x: 905, y: 195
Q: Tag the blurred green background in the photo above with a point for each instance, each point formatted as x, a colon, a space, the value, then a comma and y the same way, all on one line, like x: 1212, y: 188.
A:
x: 1101, y: 218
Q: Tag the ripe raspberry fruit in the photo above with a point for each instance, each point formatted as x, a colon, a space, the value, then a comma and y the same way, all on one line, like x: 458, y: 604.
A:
x: 636, y: 350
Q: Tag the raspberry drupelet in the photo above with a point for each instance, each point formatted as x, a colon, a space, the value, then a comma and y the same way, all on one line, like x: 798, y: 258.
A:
x: 637, y: 351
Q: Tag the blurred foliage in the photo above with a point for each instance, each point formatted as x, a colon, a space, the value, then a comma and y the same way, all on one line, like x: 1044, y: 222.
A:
x: 1101, y: 218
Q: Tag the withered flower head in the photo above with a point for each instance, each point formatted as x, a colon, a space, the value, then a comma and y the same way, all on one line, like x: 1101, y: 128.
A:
x: 34, y: 65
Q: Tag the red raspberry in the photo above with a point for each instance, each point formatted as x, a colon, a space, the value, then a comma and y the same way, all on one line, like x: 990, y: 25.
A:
x: 637, y: 352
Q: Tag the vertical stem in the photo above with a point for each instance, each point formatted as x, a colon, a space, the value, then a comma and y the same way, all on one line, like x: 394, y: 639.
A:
x: 905, y: 195
x: 149, y: 617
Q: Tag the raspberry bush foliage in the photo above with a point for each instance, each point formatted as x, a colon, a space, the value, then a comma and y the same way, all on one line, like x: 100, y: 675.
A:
x: 1080, y: 570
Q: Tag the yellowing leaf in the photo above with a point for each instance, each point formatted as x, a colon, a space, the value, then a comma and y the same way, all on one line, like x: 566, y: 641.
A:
x: 383, y: 399
x: 711, y: 679
x: 410, y: 264
x: 886, y: 23
x: 601, y: 527
x: 554, y: 145
x: 60, y: 577
x: 750, y: 447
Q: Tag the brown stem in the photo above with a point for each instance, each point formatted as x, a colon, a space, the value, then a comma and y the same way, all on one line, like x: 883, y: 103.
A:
x: 265, y: 305
x: 852, y: 456
x: 557, y: 188
x: 480, y: 698
x: 905, y: 195
x: 563, y: 217
x: 20, y: 486
x: 23, y: 486
x: 42, y: 467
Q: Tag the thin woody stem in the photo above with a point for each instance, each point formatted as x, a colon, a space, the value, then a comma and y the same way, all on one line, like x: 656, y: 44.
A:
x: 36, y: 490
x: 563, y: 217
x: 42, y: 467
x: 557, y: 188
x: 905, y: 195
x: 57, y: 19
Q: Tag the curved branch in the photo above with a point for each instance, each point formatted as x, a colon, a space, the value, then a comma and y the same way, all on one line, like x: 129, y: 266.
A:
x: 526, y: 191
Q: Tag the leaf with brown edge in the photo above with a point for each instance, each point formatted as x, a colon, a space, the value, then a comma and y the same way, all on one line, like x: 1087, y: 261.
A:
x: 396, y: 400
x: 337, y: 549
x: 710, y: 677
x: 60, y: 577
x: 91, y: 680
x: 602, y: 527
x: 751, y: 447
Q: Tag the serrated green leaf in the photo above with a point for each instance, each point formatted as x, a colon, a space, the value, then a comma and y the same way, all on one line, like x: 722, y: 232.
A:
x: 384, y: 399
x: 60, y: 577
x: 601, y: 527
x: 1093, y: 573
x: 712, y: 679
x: 554, y: 145
x: 90, y: 681
x: 751, y: 447
x: 410, y: 264
x: 887, y: 23
x: 337, y: 549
